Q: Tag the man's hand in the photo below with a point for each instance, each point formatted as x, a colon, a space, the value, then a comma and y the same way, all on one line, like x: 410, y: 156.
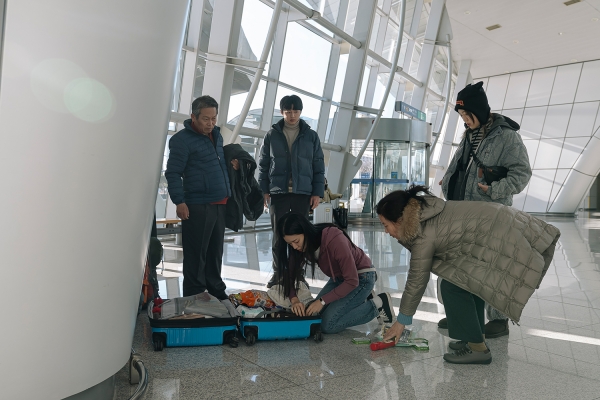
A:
x: 267, y: 200
x: 483, y: 187
x: 182, y: 211
x: 235, y: 164
x: 297, y: 307
x: 314, y: 308
x: 394, y: 332
x: 440, y: 182
x: 314, y: 202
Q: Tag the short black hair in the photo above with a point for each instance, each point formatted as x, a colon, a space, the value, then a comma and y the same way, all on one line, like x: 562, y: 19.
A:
x: 292, y: 102
x: 204, y: 102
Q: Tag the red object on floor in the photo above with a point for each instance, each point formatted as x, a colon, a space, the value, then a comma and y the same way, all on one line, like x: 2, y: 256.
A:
x: 382, y: 345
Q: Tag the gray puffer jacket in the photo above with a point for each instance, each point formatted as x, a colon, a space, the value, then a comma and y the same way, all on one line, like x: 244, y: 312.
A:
x: 502, y: 146
x: 305, y: 163
x: 492, y: 251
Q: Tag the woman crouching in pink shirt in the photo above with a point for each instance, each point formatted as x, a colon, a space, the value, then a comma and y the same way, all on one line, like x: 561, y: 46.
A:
x: 346, y: 299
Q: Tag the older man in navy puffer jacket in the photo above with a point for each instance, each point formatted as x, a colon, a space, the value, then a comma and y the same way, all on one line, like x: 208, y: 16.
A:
x: 199, y: 186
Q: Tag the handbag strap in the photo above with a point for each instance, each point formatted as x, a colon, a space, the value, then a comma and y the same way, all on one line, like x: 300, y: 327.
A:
x: 475, y: 159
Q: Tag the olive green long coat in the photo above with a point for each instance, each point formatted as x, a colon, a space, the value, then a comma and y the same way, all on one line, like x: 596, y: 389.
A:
x: 493, y: 251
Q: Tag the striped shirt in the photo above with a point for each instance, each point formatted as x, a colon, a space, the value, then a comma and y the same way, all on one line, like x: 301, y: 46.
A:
x: 476, y: 137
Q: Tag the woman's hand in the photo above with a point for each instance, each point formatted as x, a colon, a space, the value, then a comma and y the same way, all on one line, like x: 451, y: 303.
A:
x: 297, y: 307
x: 314, y: 307
x: 483, y: 187
x: 394, y: 332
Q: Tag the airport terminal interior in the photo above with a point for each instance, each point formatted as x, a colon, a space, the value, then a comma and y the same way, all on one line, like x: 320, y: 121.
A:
x: 104, y: 86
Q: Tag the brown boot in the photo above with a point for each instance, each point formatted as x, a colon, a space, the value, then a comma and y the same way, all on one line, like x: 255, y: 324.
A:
x: 496, y: 328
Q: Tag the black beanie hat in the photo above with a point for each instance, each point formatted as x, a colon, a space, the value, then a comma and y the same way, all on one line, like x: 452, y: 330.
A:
x: 473, y: 99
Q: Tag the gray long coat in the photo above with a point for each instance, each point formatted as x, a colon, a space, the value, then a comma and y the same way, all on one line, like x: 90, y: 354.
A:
x: 493, y: 251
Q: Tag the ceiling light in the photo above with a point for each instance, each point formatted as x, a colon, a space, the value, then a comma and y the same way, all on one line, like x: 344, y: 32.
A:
x: 467, y: 12
x: 492, y: 27
x: 574, y: 60
x: 506, y: 72
x: 560, y: 33
x: 594, y: 19
x: 515, y: 41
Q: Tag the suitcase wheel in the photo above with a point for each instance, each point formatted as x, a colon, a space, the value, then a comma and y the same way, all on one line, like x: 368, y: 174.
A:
x: 159, y: 341
x: 318, y: 336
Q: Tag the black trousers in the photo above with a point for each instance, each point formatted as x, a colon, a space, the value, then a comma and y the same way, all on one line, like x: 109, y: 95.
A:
x: 281, y: 204
x: 202, y: 238
x: 465, y: 313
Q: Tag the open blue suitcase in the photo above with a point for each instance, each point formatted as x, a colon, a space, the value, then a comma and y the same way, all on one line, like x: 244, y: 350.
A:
x: 253, y: 329
x: 193, y: 332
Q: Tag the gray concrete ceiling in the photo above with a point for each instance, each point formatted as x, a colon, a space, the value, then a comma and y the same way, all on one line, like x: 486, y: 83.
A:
x: 530, y: 34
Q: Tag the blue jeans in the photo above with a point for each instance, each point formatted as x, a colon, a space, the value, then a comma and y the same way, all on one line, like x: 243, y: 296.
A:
x: 351, y: 310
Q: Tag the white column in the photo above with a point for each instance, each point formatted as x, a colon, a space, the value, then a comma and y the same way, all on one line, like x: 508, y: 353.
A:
x: 350, y: 93
x: 223, y: 42
x: 84, y: 108
x: 428, y: 53
x: 447, y: 139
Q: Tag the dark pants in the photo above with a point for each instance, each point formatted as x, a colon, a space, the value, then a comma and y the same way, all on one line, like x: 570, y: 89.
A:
x: 202, y: 239
x: 465, y: 313
x: 281, y: 204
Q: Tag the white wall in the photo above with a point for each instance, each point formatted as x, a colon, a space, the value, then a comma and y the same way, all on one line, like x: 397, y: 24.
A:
x: 557, y: 108
x: 84, y: 104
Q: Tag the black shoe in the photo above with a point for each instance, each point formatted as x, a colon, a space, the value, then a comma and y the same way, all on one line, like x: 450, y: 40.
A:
x: 468, y: 356
x: 496, y: 328
x: 457, y: 345
x: 386, y: 312
x: 443, y: 323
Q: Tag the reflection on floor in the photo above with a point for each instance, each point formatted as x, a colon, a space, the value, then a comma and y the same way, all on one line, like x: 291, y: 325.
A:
x: 553, y: 354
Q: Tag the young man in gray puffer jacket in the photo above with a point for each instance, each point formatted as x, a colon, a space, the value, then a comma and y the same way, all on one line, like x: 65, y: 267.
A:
x: 495, y: 141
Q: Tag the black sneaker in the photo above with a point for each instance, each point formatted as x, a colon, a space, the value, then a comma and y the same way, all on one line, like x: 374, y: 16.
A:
x: 468, y: 356
x: 386, y: 312
x: 443, y: 323
x: 496, y: 328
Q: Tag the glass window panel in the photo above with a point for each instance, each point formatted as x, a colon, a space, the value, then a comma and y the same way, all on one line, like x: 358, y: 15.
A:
x: 557, y: 119
x: 496, y: 90
x: 572, y: 148
x: 339, y: 78
x: 236, y: 103
x: 351, y: 16
x: 414, y: 64
x: 364, y: 84
x: 589, y: 83
x: 582, y: 119
x: 541, y: 85
x: 311, y: 107
x: 329, y: 9
x: 331, y: 121
x: 565, y: 84
x: 518, y: 86
x: 256, y: 18
x: 305, y: 59
x: 438, y: 79
x: 374, y: 32
x: 551, y: 149
x: 533, y: 121
x: 389, y: 44
x: 395, y: 11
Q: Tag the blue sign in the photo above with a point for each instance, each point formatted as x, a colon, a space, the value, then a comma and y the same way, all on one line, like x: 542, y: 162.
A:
x: 394, y: 175
x: 365, y: 175
x: 410, y: 110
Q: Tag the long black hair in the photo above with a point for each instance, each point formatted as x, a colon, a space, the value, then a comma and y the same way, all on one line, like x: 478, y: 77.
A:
x: 289, y: 259
x: 391, y: 207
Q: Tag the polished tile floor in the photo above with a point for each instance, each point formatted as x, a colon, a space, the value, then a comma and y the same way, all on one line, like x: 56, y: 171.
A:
x: 553, y: 354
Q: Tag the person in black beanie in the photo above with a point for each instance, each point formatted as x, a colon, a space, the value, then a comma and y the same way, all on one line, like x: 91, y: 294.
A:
x: 494, y: 140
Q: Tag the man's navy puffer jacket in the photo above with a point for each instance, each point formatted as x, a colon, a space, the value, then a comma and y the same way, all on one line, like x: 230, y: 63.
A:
x: 193, y: 157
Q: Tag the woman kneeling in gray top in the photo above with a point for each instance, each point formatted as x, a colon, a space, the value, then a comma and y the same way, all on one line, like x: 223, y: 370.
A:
x: 485, y: 252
